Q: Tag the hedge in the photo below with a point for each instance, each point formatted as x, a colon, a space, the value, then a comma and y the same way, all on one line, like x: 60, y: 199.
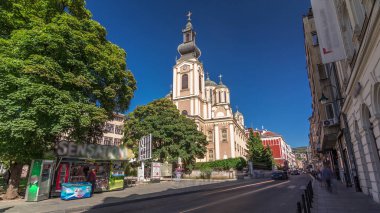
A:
x: 220, y: 165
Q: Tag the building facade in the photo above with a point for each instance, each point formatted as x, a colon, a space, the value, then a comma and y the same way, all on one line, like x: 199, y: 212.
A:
x: 113, y: 131
x: 206, y: 102
x: 345, y: 124
x: 281, y: 151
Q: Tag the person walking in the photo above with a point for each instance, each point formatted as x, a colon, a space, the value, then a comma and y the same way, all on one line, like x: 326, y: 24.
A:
x: 92, y: 179
x: 327, y: 176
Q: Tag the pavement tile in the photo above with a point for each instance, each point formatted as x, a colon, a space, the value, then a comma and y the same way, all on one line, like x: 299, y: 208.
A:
x: 341, y: 200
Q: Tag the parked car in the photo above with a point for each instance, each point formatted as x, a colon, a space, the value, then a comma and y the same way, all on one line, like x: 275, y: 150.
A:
x: 295, y: 172
x: 279, y: 175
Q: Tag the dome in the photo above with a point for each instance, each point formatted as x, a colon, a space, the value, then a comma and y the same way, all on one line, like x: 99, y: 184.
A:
x: 189, y: 47
x: 237, y: 113
x: 208, y: 82
x: 221, y: 85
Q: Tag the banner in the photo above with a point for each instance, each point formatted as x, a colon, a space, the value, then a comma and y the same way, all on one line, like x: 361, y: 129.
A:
x: 328, y: 31
x: 93, y: 151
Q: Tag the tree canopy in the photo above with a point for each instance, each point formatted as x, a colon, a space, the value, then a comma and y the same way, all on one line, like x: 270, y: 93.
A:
x: 260, y: 156
x: 173, y: 134
x: 58, y: 74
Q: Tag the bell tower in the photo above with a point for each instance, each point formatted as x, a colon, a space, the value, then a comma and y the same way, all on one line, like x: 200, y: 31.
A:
x: 188, y: 76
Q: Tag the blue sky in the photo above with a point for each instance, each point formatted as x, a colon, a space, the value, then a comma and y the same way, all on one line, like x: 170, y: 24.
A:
x: 257, y: 45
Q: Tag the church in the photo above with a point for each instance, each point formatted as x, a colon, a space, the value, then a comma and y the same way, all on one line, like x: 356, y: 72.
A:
x: 206, y: 102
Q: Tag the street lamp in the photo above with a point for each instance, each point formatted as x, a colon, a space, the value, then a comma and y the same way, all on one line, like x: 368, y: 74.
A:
x: 323, y: 99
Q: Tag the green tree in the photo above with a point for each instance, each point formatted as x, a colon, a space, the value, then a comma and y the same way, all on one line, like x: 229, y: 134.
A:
x: 255, y: 148
x: 173, y: 134
x: 257, y: 153
x: 268, y: 157
x: 58, y: 75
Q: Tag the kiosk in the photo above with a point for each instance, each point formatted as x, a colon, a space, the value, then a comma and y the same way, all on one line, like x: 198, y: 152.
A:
x: 76, y: 160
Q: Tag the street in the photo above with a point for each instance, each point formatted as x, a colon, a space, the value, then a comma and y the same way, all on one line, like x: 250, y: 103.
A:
x: 265, y: 196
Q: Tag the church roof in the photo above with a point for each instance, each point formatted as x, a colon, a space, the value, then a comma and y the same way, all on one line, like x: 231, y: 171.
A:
x: 220, y: 85
x: 208, y: 82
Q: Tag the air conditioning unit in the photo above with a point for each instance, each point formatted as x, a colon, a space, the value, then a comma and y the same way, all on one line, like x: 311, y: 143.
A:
x: 330, y: 122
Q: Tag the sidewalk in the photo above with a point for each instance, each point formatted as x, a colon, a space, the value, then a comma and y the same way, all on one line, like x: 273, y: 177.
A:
x: 139, y: 192
x: 341, y: 200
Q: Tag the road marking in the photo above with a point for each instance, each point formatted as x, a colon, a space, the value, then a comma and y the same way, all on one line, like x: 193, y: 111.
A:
x: 291, y: 187
x: 239, y: 187
x: 234, y: 197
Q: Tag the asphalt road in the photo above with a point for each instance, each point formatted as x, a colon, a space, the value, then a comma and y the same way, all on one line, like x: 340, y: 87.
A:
x: 265, y: 196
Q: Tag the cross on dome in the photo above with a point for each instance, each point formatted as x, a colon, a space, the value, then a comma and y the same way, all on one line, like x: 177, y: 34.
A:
x: 189, y: 16
x: 220, y: 78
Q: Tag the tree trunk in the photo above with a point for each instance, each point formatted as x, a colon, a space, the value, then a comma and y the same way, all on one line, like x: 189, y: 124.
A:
x: 14, y: 181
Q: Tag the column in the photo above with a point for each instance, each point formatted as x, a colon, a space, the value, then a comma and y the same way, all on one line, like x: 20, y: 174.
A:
x: 232, y: 140
x: 216, y: 142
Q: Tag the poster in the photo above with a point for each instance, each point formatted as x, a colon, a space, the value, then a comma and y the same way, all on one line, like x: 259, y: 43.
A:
x: 72, y: 191
x: 156, y: 170
x: 116, y: 180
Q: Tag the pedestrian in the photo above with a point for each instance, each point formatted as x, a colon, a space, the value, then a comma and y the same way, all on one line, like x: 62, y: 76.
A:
x: 327, y: 176
x: 92, y: 179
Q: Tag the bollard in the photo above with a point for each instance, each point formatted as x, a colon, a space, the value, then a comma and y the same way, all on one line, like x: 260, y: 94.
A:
x: 304, y: 204
x: 308, y: 199
x: 299, y: 208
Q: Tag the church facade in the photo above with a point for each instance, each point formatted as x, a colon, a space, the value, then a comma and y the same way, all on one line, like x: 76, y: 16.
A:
x: 206, y: 102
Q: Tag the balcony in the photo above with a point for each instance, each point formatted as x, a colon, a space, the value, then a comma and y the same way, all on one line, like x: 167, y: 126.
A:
x: 329, y: 136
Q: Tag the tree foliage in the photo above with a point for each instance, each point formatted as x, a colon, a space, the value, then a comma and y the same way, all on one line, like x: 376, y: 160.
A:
x: 173, y: 134
x: 260, y: 156
x: 58, y: 74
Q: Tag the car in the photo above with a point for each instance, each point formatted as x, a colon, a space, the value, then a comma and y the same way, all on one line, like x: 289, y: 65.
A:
x: 279, y: 175
x: 295, y: 172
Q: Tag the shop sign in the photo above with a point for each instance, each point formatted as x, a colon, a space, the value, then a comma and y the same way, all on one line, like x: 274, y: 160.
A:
x: 93, y: 151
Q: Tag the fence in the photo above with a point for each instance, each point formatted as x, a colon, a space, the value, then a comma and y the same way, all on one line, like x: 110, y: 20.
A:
x: 305, y: 204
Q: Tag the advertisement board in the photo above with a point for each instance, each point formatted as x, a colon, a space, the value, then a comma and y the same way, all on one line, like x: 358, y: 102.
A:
x: 72, y: 191
x: 145, y: 148
x: 156, y: 170
x: 39, y: 180
x: 116, y: 179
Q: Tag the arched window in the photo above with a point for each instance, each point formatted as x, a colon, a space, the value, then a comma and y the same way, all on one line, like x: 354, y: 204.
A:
x: 210, y: 136
x: 185, y: 81
x: 224, y: 135
x: 200, y: 83
x: 184, y: 112
x: 225, y: 97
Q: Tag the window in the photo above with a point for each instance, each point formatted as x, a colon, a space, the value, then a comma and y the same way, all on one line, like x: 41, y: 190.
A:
x: 108, y: 141
x: 117, y: 141
x: 209, y: 136
x: 120, y: 119
x: 187, y: 37
x: 220, y: 98
x: 211, y: 154
x: 210, y: 94
x: 184, y: 112
x: 330, y: 111
x: 315, y: 38
x: 109, y: 128
x: 322, y: 72
x: 185, y: 81
x: 224, y: 135
x: 225, y: 97
x: 119, y: 129
x: 200, y: 83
